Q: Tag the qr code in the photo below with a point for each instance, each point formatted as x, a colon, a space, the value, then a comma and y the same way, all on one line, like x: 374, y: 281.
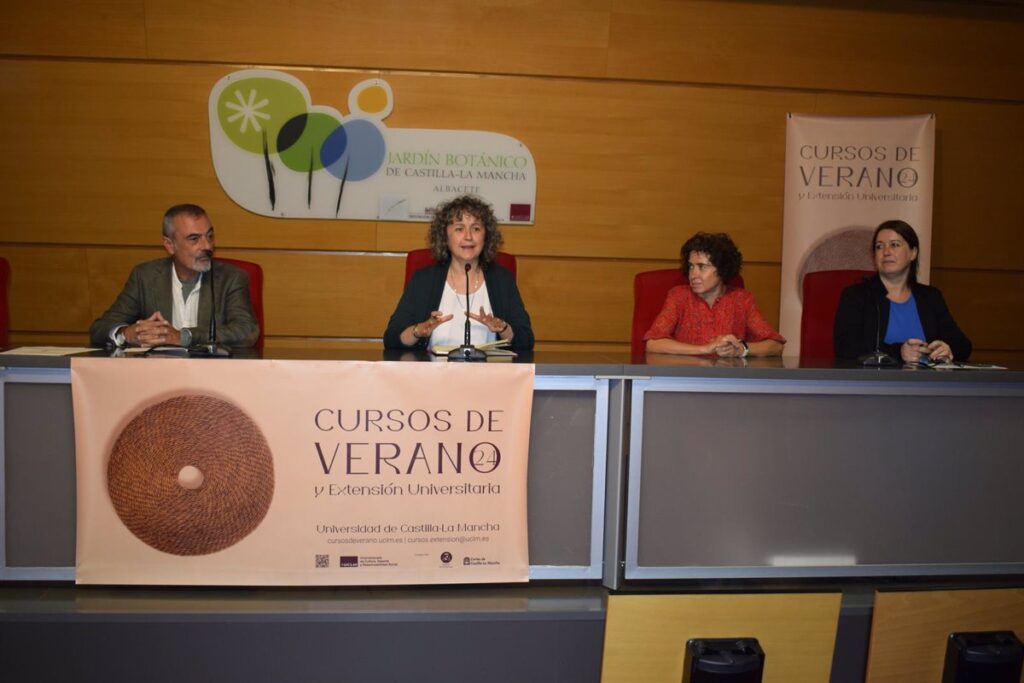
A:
x: 323, y: 561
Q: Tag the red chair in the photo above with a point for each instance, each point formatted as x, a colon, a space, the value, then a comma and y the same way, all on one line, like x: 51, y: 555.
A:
x: 255, y: 272
x: 421, y: 258
x: 821, y: 292
x: 649, y: 290
x: 5, y: 311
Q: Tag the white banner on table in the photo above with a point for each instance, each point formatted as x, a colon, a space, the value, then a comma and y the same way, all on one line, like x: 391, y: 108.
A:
x: 844, y: 176
x: 254, y: 472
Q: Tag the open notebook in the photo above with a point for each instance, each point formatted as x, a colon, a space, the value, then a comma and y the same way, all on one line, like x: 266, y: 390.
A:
x: 492, y: 349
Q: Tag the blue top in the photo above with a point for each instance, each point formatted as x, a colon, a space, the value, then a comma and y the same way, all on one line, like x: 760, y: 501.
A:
x: 904, y: 322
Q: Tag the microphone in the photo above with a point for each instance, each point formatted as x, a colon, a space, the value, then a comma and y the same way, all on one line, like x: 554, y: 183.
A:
x: 466, y: 341
x: 878, y: 359
x: 213, y: 307
x: 211, y: 349
x: 467, y: 353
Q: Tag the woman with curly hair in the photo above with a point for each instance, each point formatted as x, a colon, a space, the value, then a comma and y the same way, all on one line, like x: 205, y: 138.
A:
x: 432, y: 310
x: 707, y: 316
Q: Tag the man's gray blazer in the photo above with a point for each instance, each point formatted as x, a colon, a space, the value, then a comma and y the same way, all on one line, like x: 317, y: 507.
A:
x: 148, y: 289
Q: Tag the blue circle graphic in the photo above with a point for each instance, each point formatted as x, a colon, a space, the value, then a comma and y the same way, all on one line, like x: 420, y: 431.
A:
x: 357, y: 143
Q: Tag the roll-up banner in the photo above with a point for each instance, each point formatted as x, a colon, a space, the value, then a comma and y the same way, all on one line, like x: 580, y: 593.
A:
x: 260, y: 472
x: 844, y: 176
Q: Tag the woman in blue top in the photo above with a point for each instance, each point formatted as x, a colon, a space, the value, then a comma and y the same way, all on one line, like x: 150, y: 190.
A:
x: 893, y: 312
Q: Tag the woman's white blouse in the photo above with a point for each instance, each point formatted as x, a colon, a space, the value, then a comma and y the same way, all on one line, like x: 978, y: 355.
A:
x: 452, y: 333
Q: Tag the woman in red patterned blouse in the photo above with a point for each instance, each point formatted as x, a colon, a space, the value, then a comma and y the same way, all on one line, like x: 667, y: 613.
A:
x: 708, y: 316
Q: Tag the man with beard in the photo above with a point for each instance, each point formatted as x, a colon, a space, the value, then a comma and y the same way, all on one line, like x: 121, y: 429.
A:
x: 167, y: 301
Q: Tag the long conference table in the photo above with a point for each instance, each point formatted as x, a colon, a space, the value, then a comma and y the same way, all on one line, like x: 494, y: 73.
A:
x: 674, y: 469
x: 647, y: 473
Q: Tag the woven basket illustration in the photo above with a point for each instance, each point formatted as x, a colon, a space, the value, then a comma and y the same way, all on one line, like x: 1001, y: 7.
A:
x: 206, y: 433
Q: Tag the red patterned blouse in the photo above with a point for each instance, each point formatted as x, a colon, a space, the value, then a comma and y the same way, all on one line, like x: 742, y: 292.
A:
x: 687, y: 318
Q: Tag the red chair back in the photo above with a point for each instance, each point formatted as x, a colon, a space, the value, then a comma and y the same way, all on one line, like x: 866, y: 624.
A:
x: 649, y: 290
x: 821, y: 292
x: 421, y: 258
x: 5, y: 311
x: 255, y: 272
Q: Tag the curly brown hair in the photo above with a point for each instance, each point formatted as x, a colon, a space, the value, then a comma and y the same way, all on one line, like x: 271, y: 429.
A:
x: 721, y: 250
x: 448, y: 212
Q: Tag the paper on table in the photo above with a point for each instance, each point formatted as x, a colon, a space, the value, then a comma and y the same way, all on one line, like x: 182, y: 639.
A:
x: 964, y: 365
x: 46, y: 350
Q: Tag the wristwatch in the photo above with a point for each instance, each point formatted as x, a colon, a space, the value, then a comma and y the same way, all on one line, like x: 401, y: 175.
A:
x: 746, y: 349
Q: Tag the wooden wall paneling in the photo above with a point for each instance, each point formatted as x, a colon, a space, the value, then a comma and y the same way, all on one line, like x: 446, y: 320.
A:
x: 71, y: 28
x: 578, y: 299
x: 764, y: 280
x: 909, y: 629
x: 630, y: 170
x: 644, y: 167
x: 49, y: 289
x: 978, y: 187
x: 987, y: 305
x: 102, y: 149
x: 49, y: 339
x: 81, y: 162
x: 500, y: 36
x: 645, y: 635
x: 105, y: 148
x: 322, y: 294
x: 941, y: 48
x: 108, y: 270
x: 393, y: 236
x: 956, y: 50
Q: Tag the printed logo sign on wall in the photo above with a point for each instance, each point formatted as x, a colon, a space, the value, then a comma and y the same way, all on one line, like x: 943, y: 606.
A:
x: 278, y: 154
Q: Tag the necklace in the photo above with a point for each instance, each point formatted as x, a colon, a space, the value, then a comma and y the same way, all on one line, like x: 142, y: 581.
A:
x: 459, y: 283
x: 475, y: 279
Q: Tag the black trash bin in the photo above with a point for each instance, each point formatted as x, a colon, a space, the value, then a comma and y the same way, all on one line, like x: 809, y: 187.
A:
x: 983, y: 657
x: 723, y: 660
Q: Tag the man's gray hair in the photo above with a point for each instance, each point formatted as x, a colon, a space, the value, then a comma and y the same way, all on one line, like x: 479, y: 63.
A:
x: 191, y: 210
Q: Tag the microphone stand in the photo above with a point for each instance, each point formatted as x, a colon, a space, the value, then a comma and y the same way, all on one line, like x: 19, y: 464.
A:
x: 467, y: 353
x: 211, y: 349
x: 879, y: 358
